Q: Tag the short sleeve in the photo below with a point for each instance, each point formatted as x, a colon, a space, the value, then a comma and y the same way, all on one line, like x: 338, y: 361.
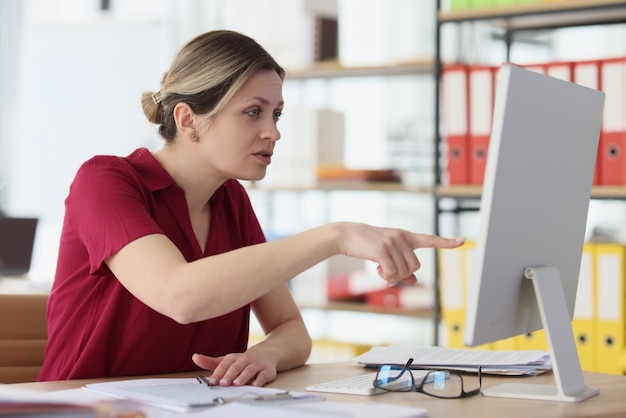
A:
x: 108, y: 207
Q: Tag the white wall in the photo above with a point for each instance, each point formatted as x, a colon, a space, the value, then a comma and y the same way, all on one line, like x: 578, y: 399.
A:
x: 77, y: 96
x: 76, y: 93
x: 10, y: 46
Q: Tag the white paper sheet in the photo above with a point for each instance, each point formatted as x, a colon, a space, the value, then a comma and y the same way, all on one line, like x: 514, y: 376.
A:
x: 514, y: 362
x: 179, y: 393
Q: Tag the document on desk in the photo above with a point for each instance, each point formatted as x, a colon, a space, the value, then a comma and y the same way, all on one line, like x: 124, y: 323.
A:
x: 17, y: 402
x: 69, y: 403
x: 178, y: 397
x: 513, y: 363
x: 327, y: 409
x: 186, y: 394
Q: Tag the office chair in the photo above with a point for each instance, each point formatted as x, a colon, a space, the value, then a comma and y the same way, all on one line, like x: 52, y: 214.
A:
x: 23, y: 336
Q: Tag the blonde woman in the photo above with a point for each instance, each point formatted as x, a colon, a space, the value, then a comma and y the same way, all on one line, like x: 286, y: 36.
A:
x: 162, y: 258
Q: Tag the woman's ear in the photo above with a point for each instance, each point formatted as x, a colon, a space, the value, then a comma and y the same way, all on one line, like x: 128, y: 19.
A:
x: 185, y: 119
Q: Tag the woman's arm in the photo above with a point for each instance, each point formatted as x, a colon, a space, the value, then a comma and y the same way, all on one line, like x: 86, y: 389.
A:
x: 286, y: 334
x: 287, y: 345
x: 154, y: 270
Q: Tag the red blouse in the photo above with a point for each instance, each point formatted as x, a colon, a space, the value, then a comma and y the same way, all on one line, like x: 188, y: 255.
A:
x: 96, y: 328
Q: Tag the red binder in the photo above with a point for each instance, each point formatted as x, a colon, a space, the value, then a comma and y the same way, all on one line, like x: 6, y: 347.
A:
x: 540, y: 68
x: 613, y: 135
x: 455, y: 106
x: 353, y: 286
x: 400, y: 296
x: 587, y: 73
x: 482, y: 92
x: 560, y: 70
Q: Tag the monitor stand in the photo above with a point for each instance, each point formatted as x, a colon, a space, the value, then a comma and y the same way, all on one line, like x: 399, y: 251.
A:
x: 570, y: 384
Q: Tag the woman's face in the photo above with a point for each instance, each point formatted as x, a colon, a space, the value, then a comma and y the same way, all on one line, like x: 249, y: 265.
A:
x: 239, y: 141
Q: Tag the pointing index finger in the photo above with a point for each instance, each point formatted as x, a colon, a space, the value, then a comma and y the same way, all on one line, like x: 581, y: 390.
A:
x: 435, y: 241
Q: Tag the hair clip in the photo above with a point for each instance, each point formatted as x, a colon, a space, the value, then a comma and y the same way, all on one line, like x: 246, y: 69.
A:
x: 157, y: 97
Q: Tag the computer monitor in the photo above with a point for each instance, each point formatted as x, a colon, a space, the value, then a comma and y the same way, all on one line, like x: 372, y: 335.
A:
x: 17, y: 237
x: 535, y: 198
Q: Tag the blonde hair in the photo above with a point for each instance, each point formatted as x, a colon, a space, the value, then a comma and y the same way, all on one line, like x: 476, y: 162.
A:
x: 206, y: 73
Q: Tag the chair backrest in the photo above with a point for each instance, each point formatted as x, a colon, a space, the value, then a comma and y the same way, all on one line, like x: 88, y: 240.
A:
x: 23, y: 336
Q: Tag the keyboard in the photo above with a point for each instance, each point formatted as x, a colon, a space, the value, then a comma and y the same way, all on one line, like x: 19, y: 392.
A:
x: 357, y: 385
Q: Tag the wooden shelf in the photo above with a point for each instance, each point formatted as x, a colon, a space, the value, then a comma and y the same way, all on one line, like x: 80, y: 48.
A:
x: 548, y: 15
x: 336, y: 70
x: 608, y: 192
x: 459, y: 191
x: 475, y: 192
x: 365, y: 308
x: 348, y: 185
x: 466, y: 191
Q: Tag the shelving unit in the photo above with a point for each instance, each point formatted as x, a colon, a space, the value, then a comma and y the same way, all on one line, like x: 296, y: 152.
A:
x: 519, y: 18
x: 512, y: 20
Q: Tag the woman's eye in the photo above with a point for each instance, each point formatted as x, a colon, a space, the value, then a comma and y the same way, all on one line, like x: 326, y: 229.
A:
x: 256, y: 113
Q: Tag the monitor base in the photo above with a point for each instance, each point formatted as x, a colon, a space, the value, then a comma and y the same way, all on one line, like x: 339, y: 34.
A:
x: 537, y: 392
x: 569, y: 380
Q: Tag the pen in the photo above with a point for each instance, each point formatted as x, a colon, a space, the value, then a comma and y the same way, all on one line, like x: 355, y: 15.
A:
x: 255, y: 398
x: 245, y: 396
x: 204, y: 381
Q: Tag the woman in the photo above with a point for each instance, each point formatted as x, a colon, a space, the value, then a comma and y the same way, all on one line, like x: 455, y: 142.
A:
x: 162, y: 257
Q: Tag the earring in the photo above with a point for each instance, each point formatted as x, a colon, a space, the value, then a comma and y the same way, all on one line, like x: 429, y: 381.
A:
x: 194, y: 136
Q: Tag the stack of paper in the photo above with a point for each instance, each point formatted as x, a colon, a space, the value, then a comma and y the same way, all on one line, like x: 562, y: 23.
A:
x: 517, y: 362
x: 185, y: 394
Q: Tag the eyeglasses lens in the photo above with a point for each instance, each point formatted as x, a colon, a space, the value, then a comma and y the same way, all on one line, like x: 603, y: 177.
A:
x: 448, y: 385
x: 394, y: 378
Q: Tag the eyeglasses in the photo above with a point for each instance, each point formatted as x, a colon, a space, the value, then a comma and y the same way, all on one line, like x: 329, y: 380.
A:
x: 437, y: 383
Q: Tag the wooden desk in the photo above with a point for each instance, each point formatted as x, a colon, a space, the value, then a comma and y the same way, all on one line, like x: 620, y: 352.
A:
x: 611, y: 402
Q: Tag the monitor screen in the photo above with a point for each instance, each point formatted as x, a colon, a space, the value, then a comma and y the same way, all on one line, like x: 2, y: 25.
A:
x: 536, y: 193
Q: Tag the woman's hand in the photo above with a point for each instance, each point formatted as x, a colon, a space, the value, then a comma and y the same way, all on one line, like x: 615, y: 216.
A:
x: 253, y: 367
x: 392, y: 249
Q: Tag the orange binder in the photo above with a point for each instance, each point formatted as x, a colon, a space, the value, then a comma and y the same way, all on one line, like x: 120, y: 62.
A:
x: 613, y: 134
x: 587, y: 73
x: 481, y: 93
x: 455, y: 106
x: 584, y: 320
x: 453, y: 281
x: 610, y: 307
x: 535, y: 340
